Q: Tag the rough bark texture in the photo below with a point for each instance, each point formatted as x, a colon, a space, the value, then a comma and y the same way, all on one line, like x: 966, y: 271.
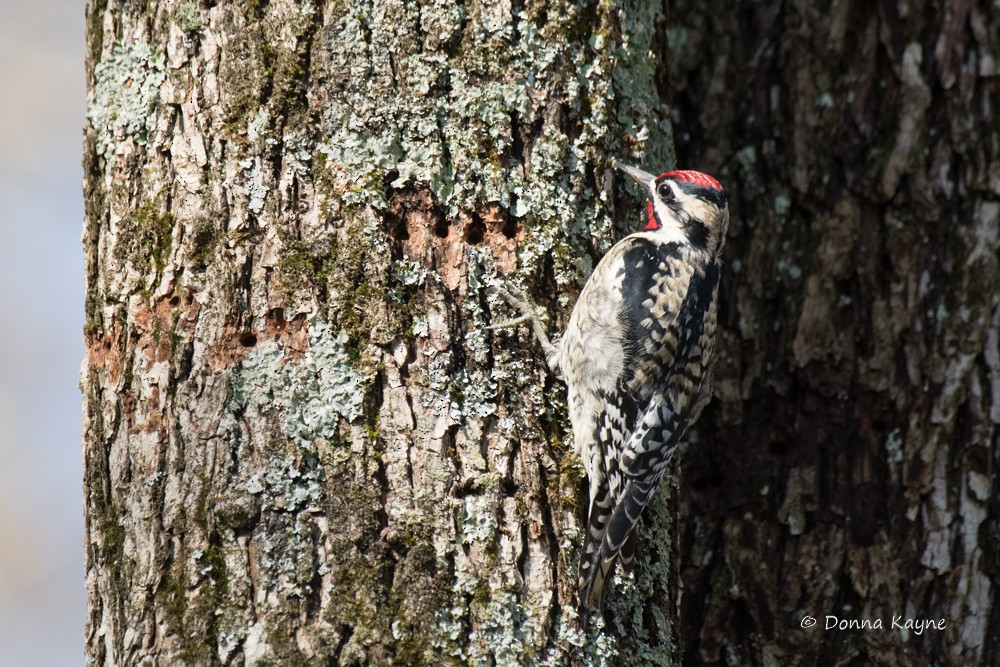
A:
x: 301, y: 445
x: 848, y: 465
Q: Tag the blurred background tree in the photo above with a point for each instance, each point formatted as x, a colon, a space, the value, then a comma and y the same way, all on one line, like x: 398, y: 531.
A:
x: 848, y: 467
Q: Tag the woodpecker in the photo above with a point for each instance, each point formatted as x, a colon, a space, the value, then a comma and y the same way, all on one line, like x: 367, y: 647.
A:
x: 637, y: 358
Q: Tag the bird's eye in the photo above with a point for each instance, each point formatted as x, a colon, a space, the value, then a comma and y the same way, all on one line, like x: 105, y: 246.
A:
x: 665, y: 191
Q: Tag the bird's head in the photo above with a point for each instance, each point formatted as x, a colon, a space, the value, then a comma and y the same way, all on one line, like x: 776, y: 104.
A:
x: 688, y: 206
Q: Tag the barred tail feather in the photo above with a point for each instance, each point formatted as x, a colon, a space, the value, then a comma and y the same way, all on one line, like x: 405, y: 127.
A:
x: 627, y: 554
x: 600, y: 512
x: 597, y: 565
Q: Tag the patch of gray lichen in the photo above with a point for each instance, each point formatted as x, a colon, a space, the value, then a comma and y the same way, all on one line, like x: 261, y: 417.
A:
x: 313, y: 394
x: 123, y: 99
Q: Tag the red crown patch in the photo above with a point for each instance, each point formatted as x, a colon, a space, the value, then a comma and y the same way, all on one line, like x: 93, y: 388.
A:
x: 695, y: 178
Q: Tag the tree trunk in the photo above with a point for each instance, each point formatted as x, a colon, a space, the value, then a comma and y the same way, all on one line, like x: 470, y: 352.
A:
x: 847, y: 470
x: 301, y: 444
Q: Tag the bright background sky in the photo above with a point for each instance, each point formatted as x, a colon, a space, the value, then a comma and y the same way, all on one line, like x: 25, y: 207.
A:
x: 42, y: 102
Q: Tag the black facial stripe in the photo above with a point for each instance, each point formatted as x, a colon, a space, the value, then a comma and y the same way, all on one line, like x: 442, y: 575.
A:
x: 717, y: 197
x: 696, y: 232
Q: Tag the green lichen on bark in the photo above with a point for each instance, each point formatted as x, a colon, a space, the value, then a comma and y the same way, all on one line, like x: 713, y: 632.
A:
x: 188, y: 16
x: 145, y: 239
x: 264, y: 67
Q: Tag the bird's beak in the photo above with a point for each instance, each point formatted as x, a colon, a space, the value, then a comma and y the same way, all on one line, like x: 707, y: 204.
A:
x: 644, y: 180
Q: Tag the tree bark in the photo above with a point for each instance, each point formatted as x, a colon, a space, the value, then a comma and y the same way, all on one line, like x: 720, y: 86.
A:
x: 848, y: 466
x: 301, y: 445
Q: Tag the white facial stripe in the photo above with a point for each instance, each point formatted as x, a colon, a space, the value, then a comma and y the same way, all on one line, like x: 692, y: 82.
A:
x: 670, y: 229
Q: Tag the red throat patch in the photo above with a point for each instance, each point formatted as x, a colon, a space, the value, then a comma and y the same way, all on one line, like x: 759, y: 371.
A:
x: 652, y: 224
x: 695, y: 178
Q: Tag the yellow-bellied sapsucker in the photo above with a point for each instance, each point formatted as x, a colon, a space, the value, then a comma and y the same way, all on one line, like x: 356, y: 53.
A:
x: 637, y: 358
